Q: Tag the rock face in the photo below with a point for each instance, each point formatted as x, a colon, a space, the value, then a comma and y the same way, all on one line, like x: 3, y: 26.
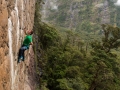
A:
x: 15, y: 17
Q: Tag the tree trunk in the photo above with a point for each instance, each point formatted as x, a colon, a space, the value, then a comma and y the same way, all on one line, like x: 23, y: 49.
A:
x: 94, y: 82
x: 93, y: 86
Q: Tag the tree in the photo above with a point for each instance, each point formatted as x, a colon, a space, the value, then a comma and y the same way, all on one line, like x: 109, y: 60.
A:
x: 103, y: 65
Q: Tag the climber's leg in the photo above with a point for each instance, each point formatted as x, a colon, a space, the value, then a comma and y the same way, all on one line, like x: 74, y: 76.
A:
x: 21, y: 53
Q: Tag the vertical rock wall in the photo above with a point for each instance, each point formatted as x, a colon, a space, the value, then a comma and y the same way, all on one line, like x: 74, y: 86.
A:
x: 4, y: 61
x: 15, y: 17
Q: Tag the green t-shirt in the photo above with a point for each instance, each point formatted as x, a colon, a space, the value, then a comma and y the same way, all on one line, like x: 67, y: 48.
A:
x: 27, y: 40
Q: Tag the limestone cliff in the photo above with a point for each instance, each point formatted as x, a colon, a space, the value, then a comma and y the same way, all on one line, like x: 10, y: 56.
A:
x: 15, y: 17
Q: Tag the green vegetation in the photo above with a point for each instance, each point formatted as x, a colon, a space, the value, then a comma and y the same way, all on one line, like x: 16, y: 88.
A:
x: 66, y: 61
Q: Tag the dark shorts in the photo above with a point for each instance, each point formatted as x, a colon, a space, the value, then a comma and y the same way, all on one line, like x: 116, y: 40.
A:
x: 22, y: 50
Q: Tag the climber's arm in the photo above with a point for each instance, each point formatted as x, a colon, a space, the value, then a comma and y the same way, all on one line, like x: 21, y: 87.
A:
x: 26, y: 32
x: 31, y: 43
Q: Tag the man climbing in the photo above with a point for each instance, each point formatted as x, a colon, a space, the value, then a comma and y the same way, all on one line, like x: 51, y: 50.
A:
x: 26, y: 43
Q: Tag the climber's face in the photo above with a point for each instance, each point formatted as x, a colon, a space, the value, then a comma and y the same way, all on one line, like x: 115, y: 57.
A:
x: 30, y: 32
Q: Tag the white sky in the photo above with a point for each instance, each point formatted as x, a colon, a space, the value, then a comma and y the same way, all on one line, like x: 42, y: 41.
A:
x: 117, y: 3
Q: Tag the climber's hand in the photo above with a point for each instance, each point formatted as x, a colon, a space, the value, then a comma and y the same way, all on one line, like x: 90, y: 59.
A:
x: 31, y: 43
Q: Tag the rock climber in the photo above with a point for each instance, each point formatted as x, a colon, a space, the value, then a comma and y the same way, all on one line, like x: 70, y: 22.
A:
x: 26, y: 44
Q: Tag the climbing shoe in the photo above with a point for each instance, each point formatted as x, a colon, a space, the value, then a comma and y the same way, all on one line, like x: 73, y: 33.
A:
x: 19, y: 60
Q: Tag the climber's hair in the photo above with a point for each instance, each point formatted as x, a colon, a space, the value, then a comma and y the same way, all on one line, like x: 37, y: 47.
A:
x: 31, y: 32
